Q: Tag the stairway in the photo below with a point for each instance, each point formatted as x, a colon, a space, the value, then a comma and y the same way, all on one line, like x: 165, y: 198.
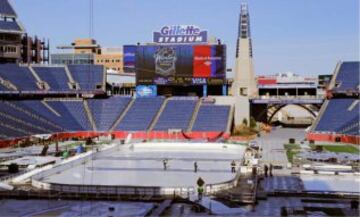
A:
x: 157, y: 116
x: 71, y: 79
x: 89, y: 115
x: 8, y: 84
x: 230, y: 119
x: 335, y: 74
x: 244, y: 192
x: 41, y: 84
x: 217, y: 208
x: 122, y: 115
x: 50, y: 108
x: 193, y: 118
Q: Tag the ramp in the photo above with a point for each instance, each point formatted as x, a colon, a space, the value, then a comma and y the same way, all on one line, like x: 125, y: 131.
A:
x: 216, y: 207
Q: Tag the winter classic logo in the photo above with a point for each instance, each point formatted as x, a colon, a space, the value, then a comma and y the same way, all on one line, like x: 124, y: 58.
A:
x: 180, y: 34
x: 165, y: 61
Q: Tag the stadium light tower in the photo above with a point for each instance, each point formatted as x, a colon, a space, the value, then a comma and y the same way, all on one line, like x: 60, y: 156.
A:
x: 244, y: 84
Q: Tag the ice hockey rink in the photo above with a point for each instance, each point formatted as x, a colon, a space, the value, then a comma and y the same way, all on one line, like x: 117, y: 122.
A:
x: 142, y: 165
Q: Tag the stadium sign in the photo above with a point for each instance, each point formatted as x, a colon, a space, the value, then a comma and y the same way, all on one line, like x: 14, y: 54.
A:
x: 180, y: 34
x: 146, y: 90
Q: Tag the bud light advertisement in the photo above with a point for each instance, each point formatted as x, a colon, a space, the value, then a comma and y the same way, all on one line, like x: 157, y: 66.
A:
x: 180, y: 34
x: 179, y: 64
x: 129, y: 53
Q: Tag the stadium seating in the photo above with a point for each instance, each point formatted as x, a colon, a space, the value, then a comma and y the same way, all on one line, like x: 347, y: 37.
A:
x: 348, y: 77
x: 15, y: 116
x: 106, y: 112
x: 36, y: 107
x: 6, y: 9
x: 20, y: 76
x: 12, y: 25
x: 87, y: 76
x: 19, y: 118
x: 55, y: 77
x: 141, y: 114
x: 337, y: 114
x: 73, y: 115
x: 351, y: 128
x: 8, y: 132
x: 3, y: 88
x: 212, y: 118
x: 176, y: 115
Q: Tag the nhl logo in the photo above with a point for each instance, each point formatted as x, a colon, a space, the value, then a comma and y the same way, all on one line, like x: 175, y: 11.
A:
x: 165, y: 59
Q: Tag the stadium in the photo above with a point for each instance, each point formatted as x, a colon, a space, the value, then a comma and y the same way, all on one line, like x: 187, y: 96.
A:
x: 65, y: 136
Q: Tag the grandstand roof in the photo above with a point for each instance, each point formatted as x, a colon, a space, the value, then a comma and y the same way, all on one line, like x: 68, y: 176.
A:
x: 6, y: 8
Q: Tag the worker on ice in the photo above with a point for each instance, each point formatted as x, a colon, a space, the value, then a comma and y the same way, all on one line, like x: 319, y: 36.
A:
x: 165, y: 161
x: 195, y: 167
x: 233, y: 166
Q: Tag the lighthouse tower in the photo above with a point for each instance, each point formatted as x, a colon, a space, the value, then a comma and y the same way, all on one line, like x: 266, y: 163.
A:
x: 244, y: 84
x: 244, y: 80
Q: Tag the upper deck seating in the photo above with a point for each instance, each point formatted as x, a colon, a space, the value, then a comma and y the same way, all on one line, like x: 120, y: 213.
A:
x: 55, y: 77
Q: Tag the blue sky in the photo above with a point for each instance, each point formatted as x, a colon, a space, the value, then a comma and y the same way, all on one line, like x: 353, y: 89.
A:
x: 304, y: 36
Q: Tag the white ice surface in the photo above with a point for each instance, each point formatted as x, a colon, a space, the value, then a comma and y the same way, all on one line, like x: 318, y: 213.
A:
x: 142, y: 165
x: 331, y: 183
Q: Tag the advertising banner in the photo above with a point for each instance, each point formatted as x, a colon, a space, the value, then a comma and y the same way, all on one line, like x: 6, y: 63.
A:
x: 146, y: 90
x: 180, y: 64
x: 129, y: 54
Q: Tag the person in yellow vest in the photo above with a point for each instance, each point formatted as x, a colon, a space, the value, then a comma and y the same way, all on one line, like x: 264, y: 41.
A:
x: 200, y: 188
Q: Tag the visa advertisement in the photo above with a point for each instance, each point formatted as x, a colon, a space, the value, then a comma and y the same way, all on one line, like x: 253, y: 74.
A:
x: 180, y: 64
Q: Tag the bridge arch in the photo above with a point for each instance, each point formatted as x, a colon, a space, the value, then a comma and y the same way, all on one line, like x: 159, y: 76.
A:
x: 281, y: 106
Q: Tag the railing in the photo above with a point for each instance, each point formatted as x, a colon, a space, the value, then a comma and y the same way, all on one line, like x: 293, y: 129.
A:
x: 11, y: 176
x: 119, y: 190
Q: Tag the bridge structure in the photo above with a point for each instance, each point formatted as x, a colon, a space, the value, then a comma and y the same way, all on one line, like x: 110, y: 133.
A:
x: 265, y: 109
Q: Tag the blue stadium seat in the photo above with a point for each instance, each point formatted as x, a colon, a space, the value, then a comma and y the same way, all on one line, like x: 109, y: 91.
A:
x: 38, y: 108
x: 87, y: 76
x: 55, y: 77
x: 73, y: 115
x: 106, y: 111
x: 9, y: 25
x: 10, y: 133
x: 6, y: 8
x: 348, y: 76
x: 20, y: 76
x: 20, y: 118
x: 337, y: 115
x: 141, y: 114
x: 176, y: 115
x: 212, y: 118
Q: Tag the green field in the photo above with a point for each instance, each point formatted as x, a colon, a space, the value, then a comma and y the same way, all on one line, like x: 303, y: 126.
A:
x: 291, y: 150
x: 338, y: 148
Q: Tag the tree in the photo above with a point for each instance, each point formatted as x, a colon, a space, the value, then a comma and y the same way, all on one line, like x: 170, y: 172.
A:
x: 252, y: 122
x: 245, y: 122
